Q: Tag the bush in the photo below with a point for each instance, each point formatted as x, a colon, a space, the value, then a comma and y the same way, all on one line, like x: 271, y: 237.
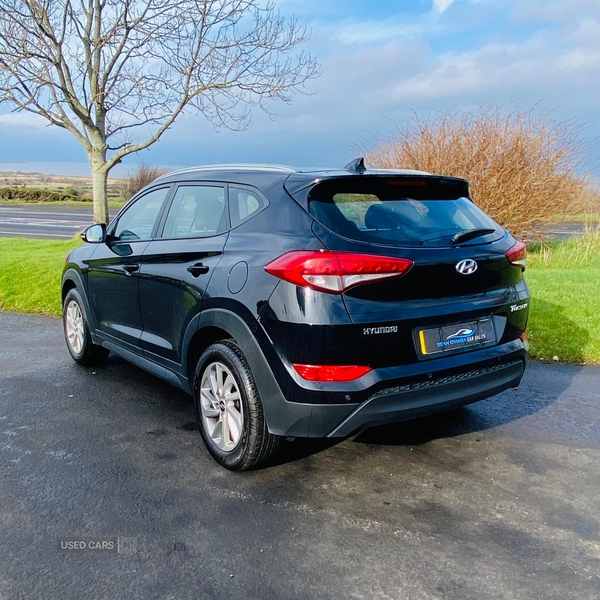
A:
x: 523, y: 166
x: 25, y: 194
x: 140, y: 178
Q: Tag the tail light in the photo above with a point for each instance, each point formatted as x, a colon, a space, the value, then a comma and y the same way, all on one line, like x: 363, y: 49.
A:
x: 335, y: 272
x: 330, y: 373
x: 517, y: 255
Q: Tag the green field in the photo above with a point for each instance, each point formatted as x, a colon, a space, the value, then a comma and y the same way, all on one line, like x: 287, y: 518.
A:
x: 30, y: 272
x: 564, y: 278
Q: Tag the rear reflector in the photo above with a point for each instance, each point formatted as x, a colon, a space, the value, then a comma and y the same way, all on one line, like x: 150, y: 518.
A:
x: 335, y: 272
x: 330, y: 373
x: 517, y: 255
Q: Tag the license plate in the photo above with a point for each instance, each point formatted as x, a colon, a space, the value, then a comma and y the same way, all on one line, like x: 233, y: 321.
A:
x: 439, y: 340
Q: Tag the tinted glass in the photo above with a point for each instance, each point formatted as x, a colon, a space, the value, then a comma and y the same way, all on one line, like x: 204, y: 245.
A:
x: 196, y: 211
x: 398, y: 213
x: 137, y: 222
x: 244, y: 203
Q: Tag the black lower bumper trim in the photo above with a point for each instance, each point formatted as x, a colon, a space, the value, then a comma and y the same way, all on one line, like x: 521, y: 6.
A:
x: 419, y: 399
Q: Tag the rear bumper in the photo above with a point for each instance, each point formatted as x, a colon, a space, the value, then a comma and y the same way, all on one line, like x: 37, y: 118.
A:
x: 384, y: 395
x: 415, y: 400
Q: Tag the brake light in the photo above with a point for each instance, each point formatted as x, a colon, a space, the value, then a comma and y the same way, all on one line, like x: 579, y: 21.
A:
x: 330, y: 372
x: 406, y: 182
x: 517, y: 255
x: 335, y: 272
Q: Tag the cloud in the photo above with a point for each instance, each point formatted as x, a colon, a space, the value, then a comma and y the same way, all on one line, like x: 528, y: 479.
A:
x: 441, y: 6
x: 538, y: 68
x: 374, y: 77
x: 554, y: 11
x: 395, y: 28
x: 377, y: 69
x: 23, y: 119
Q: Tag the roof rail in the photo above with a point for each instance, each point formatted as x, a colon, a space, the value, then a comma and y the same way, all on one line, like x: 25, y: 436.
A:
x: 231, y: 167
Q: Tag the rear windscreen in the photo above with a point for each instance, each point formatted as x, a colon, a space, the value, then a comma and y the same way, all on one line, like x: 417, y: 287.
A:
x: 399, y: 212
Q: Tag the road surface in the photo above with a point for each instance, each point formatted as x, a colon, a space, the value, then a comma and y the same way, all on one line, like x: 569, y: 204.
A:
x: 496, y: 501
x: 45, y: 222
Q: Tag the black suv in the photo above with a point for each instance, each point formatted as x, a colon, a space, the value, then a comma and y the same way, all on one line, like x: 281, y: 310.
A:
x: 303, y: 303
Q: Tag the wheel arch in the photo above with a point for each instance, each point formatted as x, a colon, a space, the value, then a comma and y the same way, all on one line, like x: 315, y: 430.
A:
x: 283, y: 417
x: 71, y: 280
x: 68, y: 284
x: 200, y: 341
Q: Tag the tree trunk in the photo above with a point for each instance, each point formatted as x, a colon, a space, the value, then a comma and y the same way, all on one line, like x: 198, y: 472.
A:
x: 99, y: 190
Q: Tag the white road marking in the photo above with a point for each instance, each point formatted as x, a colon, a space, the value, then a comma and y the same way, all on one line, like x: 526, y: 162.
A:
x: 7, y: 209
x: 40, y: 222
x: 36, y: 234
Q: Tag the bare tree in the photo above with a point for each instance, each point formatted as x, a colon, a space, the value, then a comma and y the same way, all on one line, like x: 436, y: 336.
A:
x: 117, y: 73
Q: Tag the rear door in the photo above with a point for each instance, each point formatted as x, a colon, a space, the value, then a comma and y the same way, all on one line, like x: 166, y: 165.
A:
x: 177, y: 266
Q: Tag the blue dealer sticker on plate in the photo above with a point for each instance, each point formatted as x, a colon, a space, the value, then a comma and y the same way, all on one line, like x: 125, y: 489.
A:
x: 444, y: 339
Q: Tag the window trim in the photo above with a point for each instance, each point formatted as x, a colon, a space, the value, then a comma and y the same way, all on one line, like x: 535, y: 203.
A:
x: 115, y: 222
x: 163, y: 219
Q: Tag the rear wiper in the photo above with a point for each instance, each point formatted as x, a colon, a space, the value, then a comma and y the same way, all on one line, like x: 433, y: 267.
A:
x: 469, y: 234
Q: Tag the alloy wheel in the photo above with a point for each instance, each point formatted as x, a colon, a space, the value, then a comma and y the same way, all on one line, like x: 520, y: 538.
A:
x: 74, y: 327
x: 221, y: 406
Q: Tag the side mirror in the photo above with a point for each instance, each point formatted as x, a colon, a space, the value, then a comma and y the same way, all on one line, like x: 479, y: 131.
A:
x: 95, y: 234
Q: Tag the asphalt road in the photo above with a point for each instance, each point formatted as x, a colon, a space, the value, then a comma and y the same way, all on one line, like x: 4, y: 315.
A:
x: 45, y: 222
x: 567, y: 230
x: 496, y: 501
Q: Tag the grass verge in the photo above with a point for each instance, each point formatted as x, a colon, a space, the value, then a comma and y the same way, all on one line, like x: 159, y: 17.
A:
x: 30, y: 273
x: 564, y: 278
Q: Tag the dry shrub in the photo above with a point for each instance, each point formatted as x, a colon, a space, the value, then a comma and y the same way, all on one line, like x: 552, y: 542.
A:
x: 140, y: 178
x: 587, y: 202
x: 523, y: 165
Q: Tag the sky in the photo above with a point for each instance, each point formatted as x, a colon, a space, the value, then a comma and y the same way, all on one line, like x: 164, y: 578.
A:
x: 381, y: 61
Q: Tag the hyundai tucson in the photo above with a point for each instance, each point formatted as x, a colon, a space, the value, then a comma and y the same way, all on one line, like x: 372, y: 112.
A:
x: 303, y: 302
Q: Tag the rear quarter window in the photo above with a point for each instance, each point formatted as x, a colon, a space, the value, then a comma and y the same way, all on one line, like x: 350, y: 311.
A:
x: 244, y: 204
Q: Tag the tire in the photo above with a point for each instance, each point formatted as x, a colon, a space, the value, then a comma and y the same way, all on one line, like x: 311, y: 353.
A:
x: 237, y: 403
x: 78, y: 335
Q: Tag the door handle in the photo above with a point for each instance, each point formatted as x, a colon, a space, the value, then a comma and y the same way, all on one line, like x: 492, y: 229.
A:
x: 198, y: 269
x: 130, y: 269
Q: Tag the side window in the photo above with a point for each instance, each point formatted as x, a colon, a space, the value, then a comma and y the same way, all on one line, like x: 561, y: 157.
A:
x: 196, y: 211
x: 244, y: 203
x: 137, y: 222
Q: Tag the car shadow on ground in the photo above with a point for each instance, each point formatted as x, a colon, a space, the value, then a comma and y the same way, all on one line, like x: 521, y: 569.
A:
x: 496, y: 411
